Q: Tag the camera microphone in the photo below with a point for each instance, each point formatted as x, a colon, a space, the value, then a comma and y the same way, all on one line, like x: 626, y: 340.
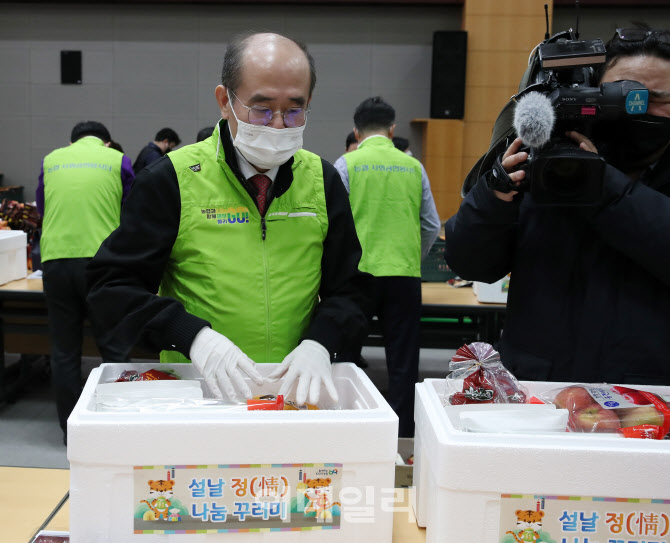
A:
x: 534, y: 119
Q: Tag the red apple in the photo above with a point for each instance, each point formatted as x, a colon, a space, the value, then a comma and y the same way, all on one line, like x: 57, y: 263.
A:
x: 645, y: 414
x: 574, y: 398
x: 594, y: 419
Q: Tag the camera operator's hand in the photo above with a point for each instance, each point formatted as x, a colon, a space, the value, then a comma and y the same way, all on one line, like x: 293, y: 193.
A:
x: 511, y: 159
x: 585, y: 144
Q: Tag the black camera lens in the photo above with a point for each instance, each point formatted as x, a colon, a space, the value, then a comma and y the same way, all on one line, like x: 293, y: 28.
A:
x: 565, y: 177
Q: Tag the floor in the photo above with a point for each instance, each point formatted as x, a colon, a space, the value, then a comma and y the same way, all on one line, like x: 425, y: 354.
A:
x: 29, y: 431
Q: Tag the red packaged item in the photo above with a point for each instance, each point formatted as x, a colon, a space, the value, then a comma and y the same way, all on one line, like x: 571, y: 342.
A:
x: 271, y: 402
x: 149, y: 375
x: 613, y: 408
x: 266, y: 403
x: 485, y: 379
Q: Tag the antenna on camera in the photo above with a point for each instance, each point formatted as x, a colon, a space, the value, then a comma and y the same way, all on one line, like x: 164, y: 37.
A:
x: 546, y: 16
x: 577, y: 24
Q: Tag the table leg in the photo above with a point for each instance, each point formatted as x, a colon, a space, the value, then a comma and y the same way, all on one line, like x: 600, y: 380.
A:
x: 51, y: 515
x: 14, y: 378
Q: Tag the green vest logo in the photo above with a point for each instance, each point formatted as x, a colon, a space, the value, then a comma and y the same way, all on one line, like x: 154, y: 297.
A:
x: 230, y: 215
x: 394, y: 168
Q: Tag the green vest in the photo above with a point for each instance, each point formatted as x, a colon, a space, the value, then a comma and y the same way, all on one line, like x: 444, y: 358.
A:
x: 82, y: 199
x: 385, y: 194
x: 261, y: 294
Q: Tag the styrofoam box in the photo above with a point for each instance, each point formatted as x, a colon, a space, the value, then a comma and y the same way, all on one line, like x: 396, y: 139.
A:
x: 493, y: 293
x: 13, y: 259
x: 103, y: 447
x: 460, y: 476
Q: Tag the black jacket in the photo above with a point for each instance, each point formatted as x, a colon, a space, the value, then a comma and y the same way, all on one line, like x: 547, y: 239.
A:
x: 125, y: 274
x: 589, y: 296
x: 149, y: 154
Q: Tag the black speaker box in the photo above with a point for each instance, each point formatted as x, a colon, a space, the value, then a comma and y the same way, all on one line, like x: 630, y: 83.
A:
x: 447, y: 92
x: 70, y: 67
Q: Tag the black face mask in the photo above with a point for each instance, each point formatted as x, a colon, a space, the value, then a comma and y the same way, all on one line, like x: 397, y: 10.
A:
x: 633, y: 143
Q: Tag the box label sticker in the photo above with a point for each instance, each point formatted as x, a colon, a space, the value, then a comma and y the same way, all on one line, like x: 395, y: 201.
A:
x: 577, y: 519
x: 236, y: 498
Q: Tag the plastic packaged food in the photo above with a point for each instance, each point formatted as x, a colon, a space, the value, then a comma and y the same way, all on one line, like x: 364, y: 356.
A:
x: 149, y: 375
x: 288, y: 405
x: 149, y: 394
x: 612, y: 408
x: 484, y: 378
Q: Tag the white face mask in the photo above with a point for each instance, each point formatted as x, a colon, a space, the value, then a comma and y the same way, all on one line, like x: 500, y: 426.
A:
x: 264, y: 146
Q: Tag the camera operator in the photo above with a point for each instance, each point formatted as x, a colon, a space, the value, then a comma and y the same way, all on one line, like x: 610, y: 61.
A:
x: 589, y: 296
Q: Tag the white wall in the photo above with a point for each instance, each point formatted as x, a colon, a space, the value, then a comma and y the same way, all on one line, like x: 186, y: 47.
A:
x: 150, y: 66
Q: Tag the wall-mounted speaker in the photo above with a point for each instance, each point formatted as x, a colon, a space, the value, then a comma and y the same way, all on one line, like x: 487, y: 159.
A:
x: 70, y: 67
x: 447, y: 93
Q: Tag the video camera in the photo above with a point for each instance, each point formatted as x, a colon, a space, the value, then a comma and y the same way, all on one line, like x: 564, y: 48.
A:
x: 558, y: 172
x: 559, y: 95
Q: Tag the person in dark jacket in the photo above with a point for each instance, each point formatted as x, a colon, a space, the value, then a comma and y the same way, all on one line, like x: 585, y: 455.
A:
x: 351, y: 143
x: 166, y: 140
x: 249, y: 237
x: 204, y: 133
x: 589, y: 296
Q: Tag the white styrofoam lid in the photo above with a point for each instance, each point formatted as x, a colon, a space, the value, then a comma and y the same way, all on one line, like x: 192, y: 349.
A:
x: 6, y: 234
x: 12, y: 239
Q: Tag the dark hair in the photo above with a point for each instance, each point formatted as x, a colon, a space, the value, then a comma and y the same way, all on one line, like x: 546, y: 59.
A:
x: 233, y: 60
x: 402, y: 144
x: 204, y: 133
x: 115, y: 145
x: 90, y: 128
x: 167, y: 134
x: 351, y: 138
x: 373, y: 114
x: 649, y: 46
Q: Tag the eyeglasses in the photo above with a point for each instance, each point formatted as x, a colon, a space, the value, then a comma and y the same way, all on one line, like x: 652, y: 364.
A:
x: 262, y: 116
x: 640, y: 34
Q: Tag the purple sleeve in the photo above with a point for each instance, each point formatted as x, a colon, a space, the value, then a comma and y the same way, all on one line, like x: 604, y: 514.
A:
x: 127, y: 176
x: 39, y: 193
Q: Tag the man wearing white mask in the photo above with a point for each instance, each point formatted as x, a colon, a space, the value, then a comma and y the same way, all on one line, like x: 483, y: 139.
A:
x: 248, y: 239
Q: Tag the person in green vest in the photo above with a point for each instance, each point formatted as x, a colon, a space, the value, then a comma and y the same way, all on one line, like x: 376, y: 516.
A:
x: 247, y: 238
x: 397, y: 224
x: 79, y: 195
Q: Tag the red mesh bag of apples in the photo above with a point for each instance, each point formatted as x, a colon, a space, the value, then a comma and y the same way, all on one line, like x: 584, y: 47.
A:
x: 613, y: 408
x: 485, y: 379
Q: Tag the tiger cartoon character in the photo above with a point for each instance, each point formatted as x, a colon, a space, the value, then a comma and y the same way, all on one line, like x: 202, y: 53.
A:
x: 160, y: 491
x: 529, y: 524
x: 319, y: 494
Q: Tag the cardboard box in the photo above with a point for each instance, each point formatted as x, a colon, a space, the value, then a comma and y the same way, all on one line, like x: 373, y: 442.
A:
x: 277, y: 460
x: 493, y: 293
x: 13, y: 256
x: 472, y: 486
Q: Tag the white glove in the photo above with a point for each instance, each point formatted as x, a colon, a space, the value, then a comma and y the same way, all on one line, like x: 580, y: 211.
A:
x: 219, y: 361
x: 309, y: 362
